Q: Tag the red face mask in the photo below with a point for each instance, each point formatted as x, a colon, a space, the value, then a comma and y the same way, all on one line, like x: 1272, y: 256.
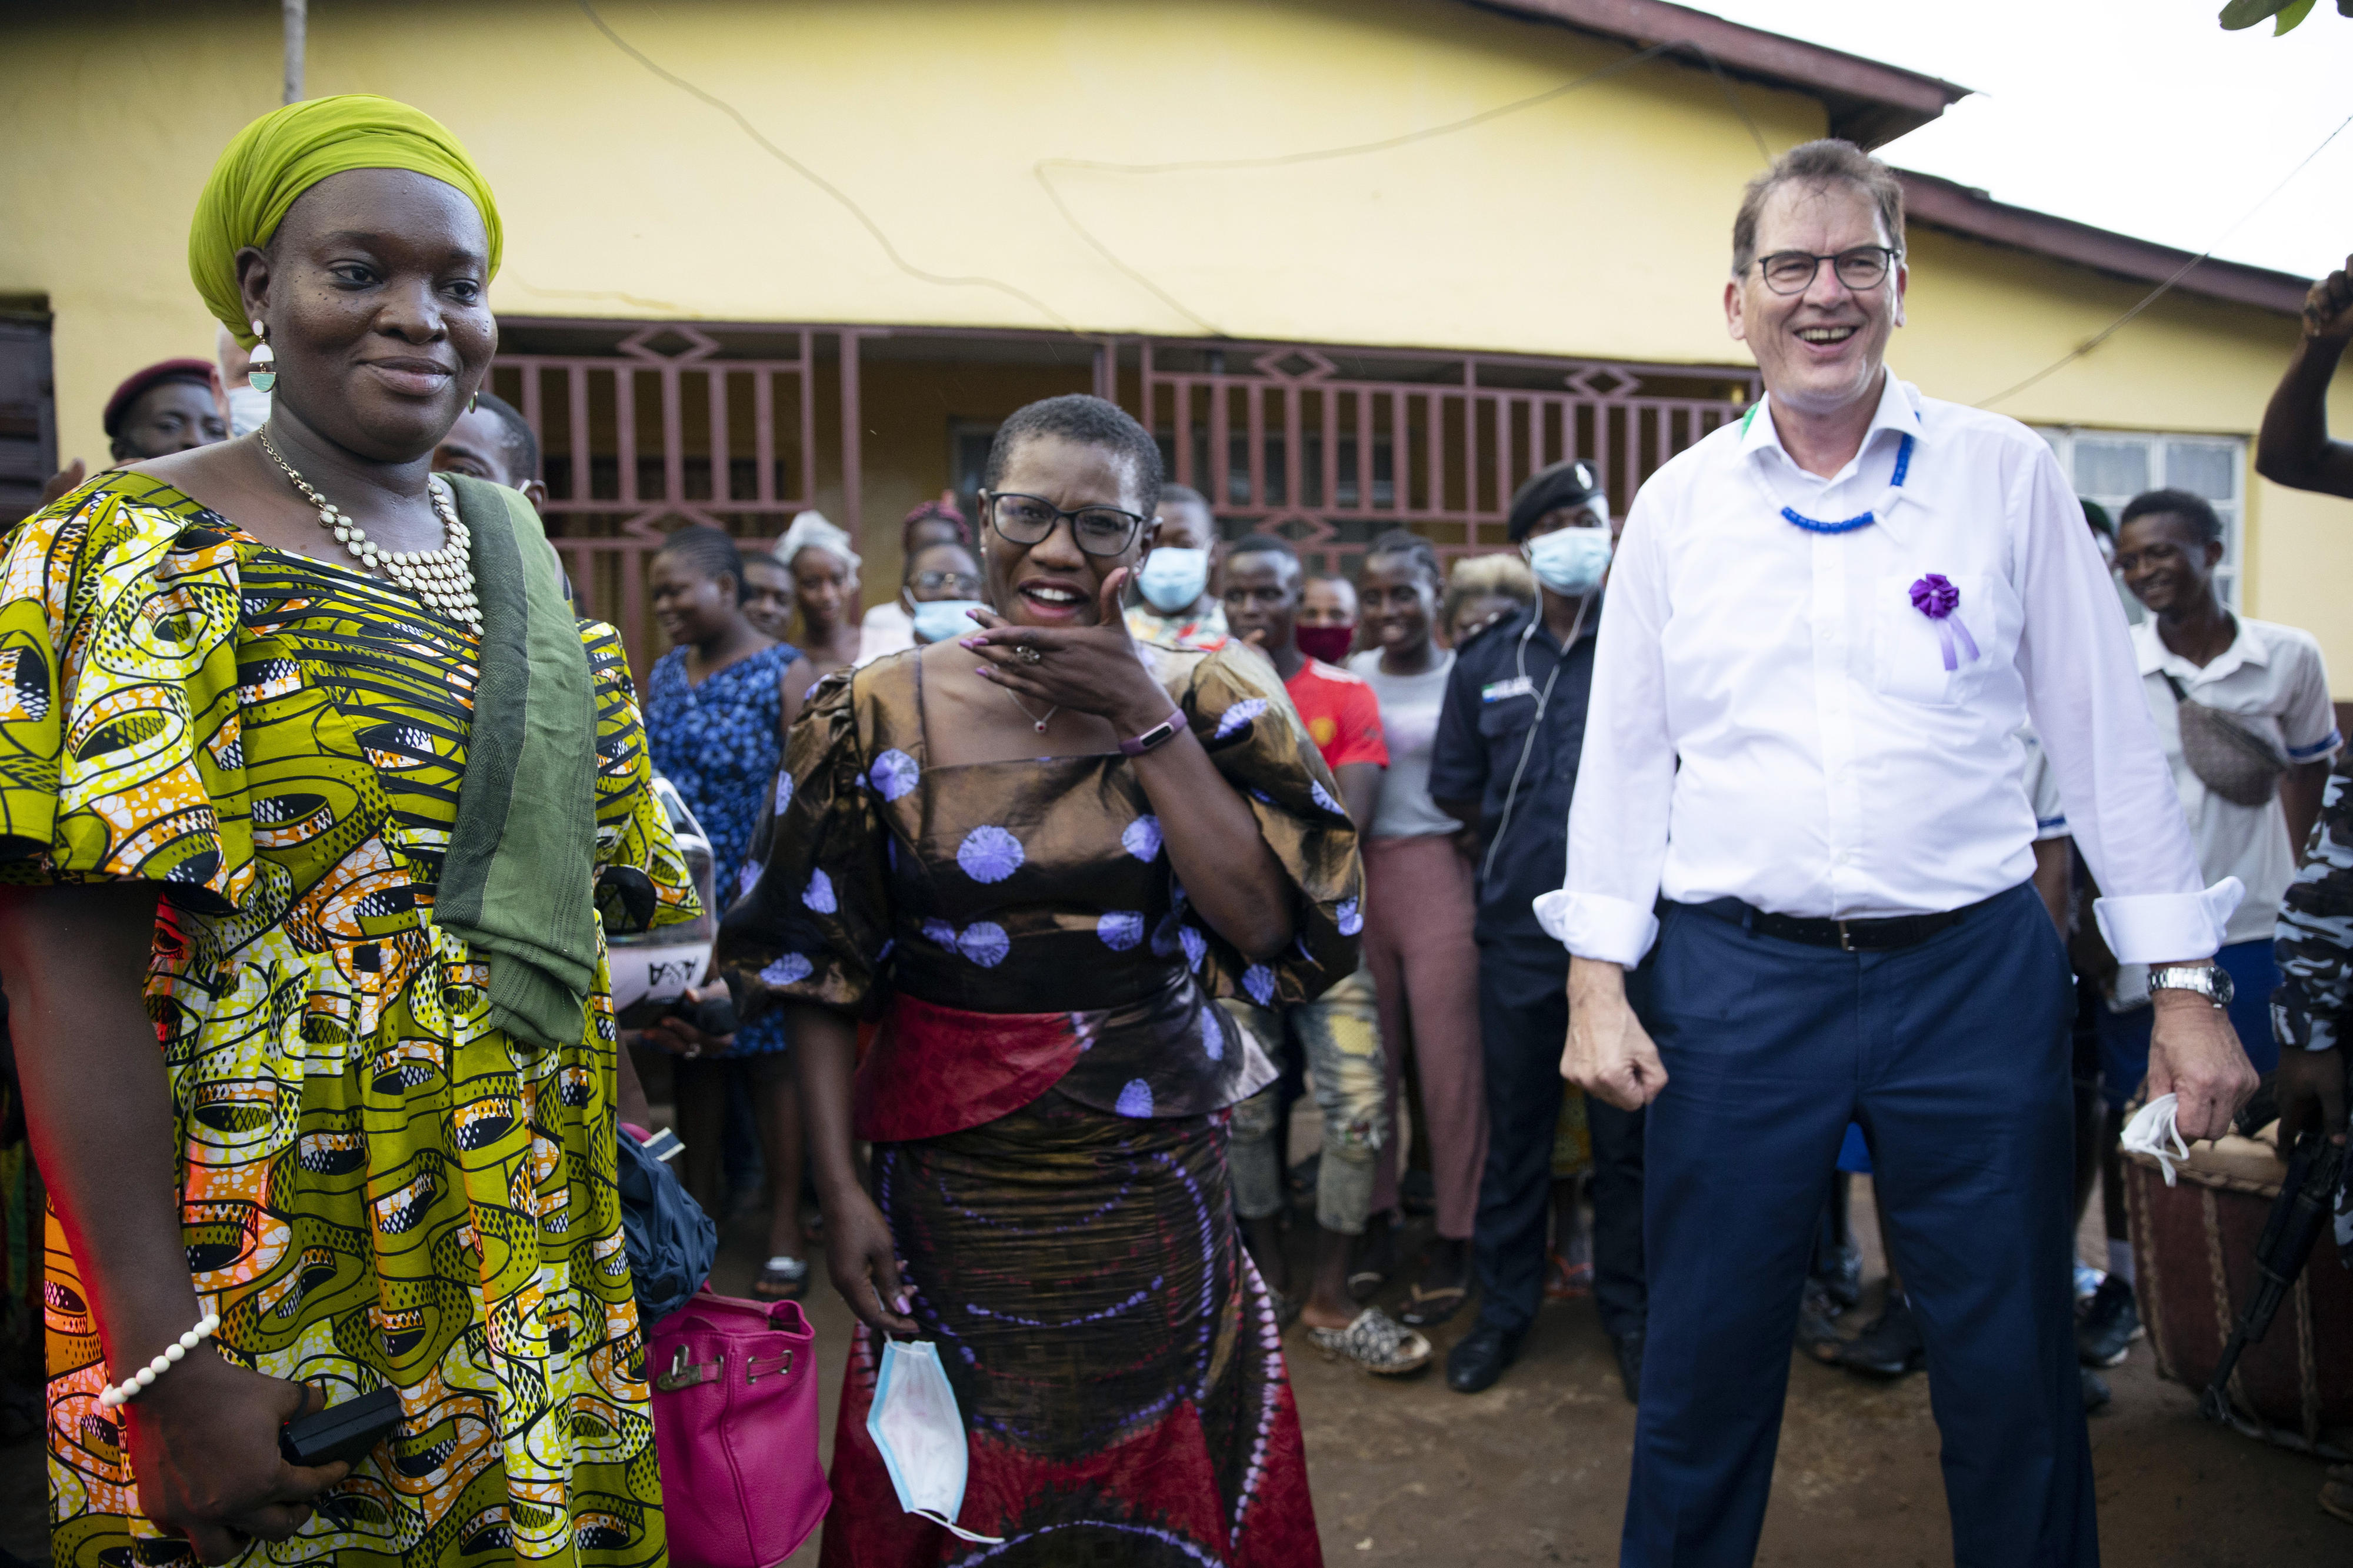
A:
x: 1329, y: 644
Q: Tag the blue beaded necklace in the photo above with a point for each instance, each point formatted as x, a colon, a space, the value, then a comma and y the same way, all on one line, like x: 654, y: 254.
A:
x: 1862, y: 519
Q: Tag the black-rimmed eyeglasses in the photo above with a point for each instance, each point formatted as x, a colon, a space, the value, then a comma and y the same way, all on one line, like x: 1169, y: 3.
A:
x: 1793, y: 272
x: 1027, y: 520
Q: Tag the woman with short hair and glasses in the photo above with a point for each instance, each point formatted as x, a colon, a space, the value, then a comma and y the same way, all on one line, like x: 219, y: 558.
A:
x: 1039, y: 853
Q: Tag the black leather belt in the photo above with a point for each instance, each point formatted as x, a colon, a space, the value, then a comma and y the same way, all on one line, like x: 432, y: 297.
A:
x: 1848, y: 936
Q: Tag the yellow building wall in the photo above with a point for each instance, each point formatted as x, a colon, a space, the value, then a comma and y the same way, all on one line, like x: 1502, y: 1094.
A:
x: 1591, y: 224
x: 1982, y: 319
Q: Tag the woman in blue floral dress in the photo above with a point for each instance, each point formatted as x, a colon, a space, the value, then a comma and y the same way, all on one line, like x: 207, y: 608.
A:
x: 715, y: 713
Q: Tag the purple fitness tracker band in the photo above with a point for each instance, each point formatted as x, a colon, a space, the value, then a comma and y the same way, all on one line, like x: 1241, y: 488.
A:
x: 1160, y: 733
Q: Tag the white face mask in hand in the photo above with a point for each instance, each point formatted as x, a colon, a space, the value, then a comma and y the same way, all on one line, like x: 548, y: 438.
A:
x: 916, y: 1425
x: 2152, y: 1131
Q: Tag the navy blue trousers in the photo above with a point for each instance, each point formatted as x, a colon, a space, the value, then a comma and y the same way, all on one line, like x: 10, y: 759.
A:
x: 1523, y: 1024
x: 1953, y: 1056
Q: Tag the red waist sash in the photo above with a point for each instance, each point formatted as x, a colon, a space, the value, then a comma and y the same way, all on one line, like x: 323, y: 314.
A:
x: 933, y: 1071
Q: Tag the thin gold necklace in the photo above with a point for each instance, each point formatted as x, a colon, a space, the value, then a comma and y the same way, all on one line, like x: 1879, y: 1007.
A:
x: 1035, y: 722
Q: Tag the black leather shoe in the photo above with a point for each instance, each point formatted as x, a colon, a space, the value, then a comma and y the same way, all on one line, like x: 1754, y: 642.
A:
x: 1818, y: 1333
x: 2106, y: 1325
x: 1890, y: 1347
x: 1630, y: 1365
x: 1478, y: 1358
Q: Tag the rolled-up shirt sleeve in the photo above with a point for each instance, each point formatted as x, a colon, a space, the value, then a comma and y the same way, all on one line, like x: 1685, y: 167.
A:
x: 2084, y: 690
x: 1617, y: 817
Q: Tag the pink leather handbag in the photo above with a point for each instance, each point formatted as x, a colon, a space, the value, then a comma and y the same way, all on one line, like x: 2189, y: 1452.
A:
x: 735, y: 1428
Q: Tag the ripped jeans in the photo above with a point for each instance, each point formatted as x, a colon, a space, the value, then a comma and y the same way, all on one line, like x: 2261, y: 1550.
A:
x: 1341, y: 1034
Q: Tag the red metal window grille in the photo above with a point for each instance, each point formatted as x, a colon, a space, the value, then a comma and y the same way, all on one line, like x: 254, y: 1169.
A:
x: 1332, y: 447
x: 645, y: 425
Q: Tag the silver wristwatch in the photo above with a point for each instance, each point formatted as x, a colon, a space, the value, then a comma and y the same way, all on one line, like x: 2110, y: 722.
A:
x: 2211, y: 981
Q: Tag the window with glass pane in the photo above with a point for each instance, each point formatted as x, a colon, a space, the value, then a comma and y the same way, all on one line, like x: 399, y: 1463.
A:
x: 2111, y: 467
x: 2202, y: 469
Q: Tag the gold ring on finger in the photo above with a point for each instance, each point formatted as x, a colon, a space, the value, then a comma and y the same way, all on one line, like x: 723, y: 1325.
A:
x: 1029, y: 655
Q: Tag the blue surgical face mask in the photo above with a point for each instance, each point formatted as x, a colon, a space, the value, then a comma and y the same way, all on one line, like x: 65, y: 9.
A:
x: 919, y: 1433
x: 1171, y: 578
x: 936, y: 620
x: 1570, y: 561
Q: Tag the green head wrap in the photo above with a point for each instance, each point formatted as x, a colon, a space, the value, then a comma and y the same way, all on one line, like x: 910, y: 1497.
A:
x: 285, y: 152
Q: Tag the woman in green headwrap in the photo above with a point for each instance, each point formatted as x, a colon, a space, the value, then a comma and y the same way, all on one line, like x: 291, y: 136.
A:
x: 263, y: 708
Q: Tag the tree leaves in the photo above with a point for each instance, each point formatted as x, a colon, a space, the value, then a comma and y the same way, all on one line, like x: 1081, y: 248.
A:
x: 2284, y: 15
x: 2244, y: 13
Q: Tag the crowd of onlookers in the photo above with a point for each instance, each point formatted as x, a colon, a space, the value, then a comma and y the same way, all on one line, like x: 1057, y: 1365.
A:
x: 1047, y: 888
x: 1448, y: 699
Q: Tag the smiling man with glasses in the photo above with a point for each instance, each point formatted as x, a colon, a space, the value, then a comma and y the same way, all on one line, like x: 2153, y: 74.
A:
x: 1826, y: 625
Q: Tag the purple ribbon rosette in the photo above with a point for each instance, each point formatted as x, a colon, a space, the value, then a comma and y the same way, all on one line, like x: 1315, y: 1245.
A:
x: 1935, y: 597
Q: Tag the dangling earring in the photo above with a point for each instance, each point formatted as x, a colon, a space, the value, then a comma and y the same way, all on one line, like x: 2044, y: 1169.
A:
x: 473, y: 401
x: 259, y: 373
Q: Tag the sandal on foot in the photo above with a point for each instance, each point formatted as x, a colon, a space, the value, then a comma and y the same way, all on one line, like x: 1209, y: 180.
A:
x: 1374, y: 1341
x: 1375, y: 1260
x: 1425, y: 1308
x: 782, y: 1279
x: 2336, y: 1493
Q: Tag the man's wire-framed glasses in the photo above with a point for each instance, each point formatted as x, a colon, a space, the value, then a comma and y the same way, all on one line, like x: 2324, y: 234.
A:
x: 1027, y: 520
x: 1793, y: 272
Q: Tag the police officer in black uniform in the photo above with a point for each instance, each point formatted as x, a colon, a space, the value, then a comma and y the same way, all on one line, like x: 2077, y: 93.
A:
x: 1508, y: 742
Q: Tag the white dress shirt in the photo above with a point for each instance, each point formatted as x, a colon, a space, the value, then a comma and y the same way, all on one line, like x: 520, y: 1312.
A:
x: 2042, y: 790
x: 2272, y: 680
x: 1773, y: 721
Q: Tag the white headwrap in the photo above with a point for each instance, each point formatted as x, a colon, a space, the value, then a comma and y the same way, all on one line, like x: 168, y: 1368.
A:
x: 811, y: 529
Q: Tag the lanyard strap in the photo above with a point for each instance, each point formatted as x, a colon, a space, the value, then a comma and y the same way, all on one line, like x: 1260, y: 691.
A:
x: 1845, y: 525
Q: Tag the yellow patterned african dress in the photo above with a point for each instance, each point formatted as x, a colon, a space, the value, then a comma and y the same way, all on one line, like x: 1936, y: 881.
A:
x: 378, y: 1186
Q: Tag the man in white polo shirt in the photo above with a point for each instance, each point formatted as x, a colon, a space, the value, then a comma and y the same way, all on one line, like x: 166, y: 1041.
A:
x: 2243, y: 712
x: 1824, y: 627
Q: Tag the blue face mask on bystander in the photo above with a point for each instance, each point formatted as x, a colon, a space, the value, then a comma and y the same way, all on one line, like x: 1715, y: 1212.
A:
x: 1171, y: 578
x: 936, y: 620
x: 1569, y: 560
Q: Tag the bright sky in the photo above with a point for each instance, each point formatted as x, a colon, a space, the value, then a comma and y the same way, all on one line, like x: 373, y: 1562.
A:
x: 2141, y: 116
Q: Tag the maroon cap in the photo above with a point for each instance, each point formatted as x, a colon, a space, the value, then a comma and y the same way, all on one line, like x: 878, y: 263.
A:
x: 196, y: 370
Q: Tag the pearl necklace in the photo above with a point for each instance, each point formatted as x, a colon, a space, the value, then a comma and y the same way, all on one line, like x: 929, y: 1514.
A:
x: 443, y: 578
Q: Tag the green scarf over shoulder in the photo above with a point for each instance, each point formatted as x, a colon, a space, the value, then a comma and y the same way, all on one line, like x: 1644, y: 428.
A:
x: 518, y: 882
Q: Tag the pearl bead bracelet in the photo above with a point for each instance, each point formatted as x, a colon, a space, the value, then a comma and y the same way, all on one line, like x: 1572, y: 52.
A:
x: 147, y: 1375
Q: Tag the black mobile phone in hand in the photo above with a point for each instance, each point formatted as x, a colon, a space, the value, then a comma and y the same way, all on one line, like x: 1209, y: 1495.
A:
x: 713, y: 1014
x: 345, y: 1431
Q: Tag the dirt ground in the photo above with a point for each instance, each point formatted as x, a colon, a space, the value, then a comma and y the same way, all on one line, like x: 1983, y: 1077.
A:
x: 1533, y: 1471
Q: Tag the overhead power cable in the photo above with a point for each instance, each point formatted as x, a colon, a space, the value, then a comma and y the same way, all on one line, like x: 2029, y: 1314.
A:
x: 2151, y: 298
x: 821, y: 182
x: 1041, y: 170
